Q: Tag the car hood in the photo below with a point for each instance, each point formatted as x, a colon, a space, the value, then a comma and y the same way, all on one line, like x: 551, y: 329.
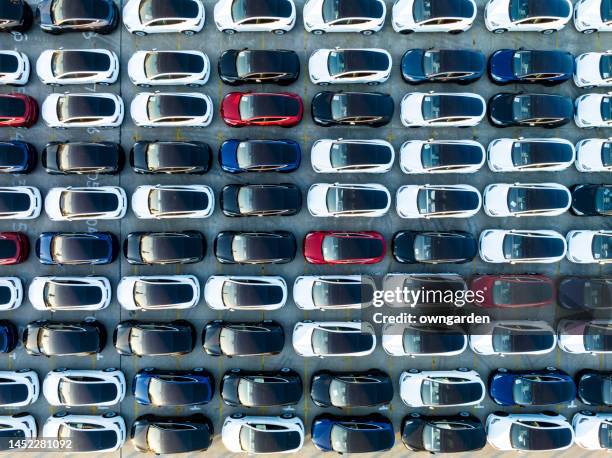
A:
x: 321, y: 106
x: 500, y: 107
x: 227, y: 63
x: 412, y: 64
x: 500, y: 64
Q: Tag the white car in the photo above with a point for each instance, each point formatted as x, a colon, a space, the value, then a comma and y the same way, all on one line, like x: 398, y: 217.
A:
x: 513, y: 337
x: 348, y: 200
x: 592, y: 16
x: 530, y: 154
x: 502, y: 200
x: 11, y: 292
x: 52, y: 294
x: 88, y: 433
x: 169, y: 68
x: 589, y: 247
x: 441, y: 156
x: 439, y: 109
x: 21, y: 387
x: 81, y: 388
x: 437, y: 201
x: 583, y: 337
x: 57, y: 67
x: 262, y: 434
x: 21, y: 426
x: 159, y: 292
x: 592, y: 430
x: 524, y: 432
x: 527, y: 15
x: 142, y: 17
x: 349, y: 66
x: 20, y: 202
x: 87, y: 203
x: 14, y: 68
x: 499, y: 246
x: 352, y: 156
x: 442, y: 388
x: 224, y: 292
x: 333, y: 292
x: 420, y: 340
x: 433, y: 15
x: 324, y: 16
x: 171, y: 109
x: 60, y: 111
x: 324, y: 339
x: 594, y: 155
x: 168, y: 201
x: 233, y: 16
x: 593, y: 110
x: 593, y: 69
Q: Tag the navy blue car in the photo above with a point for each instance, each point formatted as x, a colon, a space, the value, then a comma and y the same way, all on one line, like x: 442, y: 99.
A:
x: 365, y: 434
x: 463, y: 66
x: 531, y: 387
x: 238, y: 156
x: 74, y: 248
x: 173, y: 388
x: 550, y: 68
x: 17, y: 157
x: 9, y: 336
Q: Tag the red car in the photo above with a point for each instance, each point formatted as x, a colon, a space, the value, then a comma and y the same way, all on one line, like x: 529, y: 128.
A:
x: 14, y: 248
x: 514, y: 290
x: 17, y: 110
x: 331, y: 247
x: 282, y: 109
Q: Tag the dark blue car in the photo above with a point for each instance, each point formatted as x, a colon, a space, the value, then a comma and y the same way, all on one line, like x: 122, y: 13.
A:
x: 238, y: 156
x: 17, y: 157
x: 173, y: 388
x: 364, y: 434
x: 462, y: 66
x: 550, y: 68
x: 532, y: 387
x: 75, y: 248
x: 9, y: 335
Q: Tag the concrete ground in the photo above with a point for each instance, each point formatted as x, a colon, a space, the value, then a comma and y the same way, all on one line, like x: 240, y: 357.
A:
x: 211, y: 41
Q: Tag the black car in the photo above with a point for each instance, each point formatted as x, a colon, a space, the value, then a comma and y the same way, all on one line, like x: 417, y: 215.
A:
x: 17, y: 157
x: 171, y: 157
x: 52, y: 338
x: 260, y: 200
x: 257, y: 66
x: 240, y: 388
x: 592, y: 200
x: 371, y: 388
x: 163, y: 435
x: 356, y: 434
x: 221, y: 338
x: 586, y: 293
x: 82, y: 158
x: 151, y: 248
x: 550, y: 68
x: 534, y: 110
x: 58, y: 16
x: 232, y: 247
x: 164, y: 388
x: 135, y: 338
x: 443, y: 434
x: 451, y: 247
x: 463, y: 66
x: 594, y: 387
x: 372, y: 109
x: 15, y: 16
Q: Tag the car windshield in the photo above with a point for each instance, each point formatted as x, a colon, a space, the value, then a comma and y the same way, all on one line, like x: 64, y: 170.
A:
x: 268, y: 438
x: 339, y: 107
x: 605, y: 433
x: 606, y: 13
x: 605, y: 65
x: 541, y: 390
x: 603, y: 199
x: 521, y: 107
x: 598, y: 337
x: 539, y: 435
x: 431, y: 62
x: 521, y: 63
x: 518, y: 339
x: 71, y: 293
x: 602, y: 247
x: 250, y: 293
x: 336, y: 340
x: 331, y: 10
x: 519, y: 9
x: 511, y: 292
x: 335, y: 63
x: 422, y: 10
x: 161, y: 293
x: 81, y: 390
x: 449, y: 391
x: 606, y: 109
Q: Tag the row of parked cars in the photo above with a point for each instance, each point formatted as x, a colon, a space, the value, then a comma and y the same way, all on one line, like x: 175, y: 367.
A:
x: 256, y: 434
x: 496, y: 246
x: 326, y: 156
x: 320, y: 339
x: 328, y: 108
x: 326, y: 66
x: 142, y: 17
x: 310, y: 292
x: 370, y: 200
